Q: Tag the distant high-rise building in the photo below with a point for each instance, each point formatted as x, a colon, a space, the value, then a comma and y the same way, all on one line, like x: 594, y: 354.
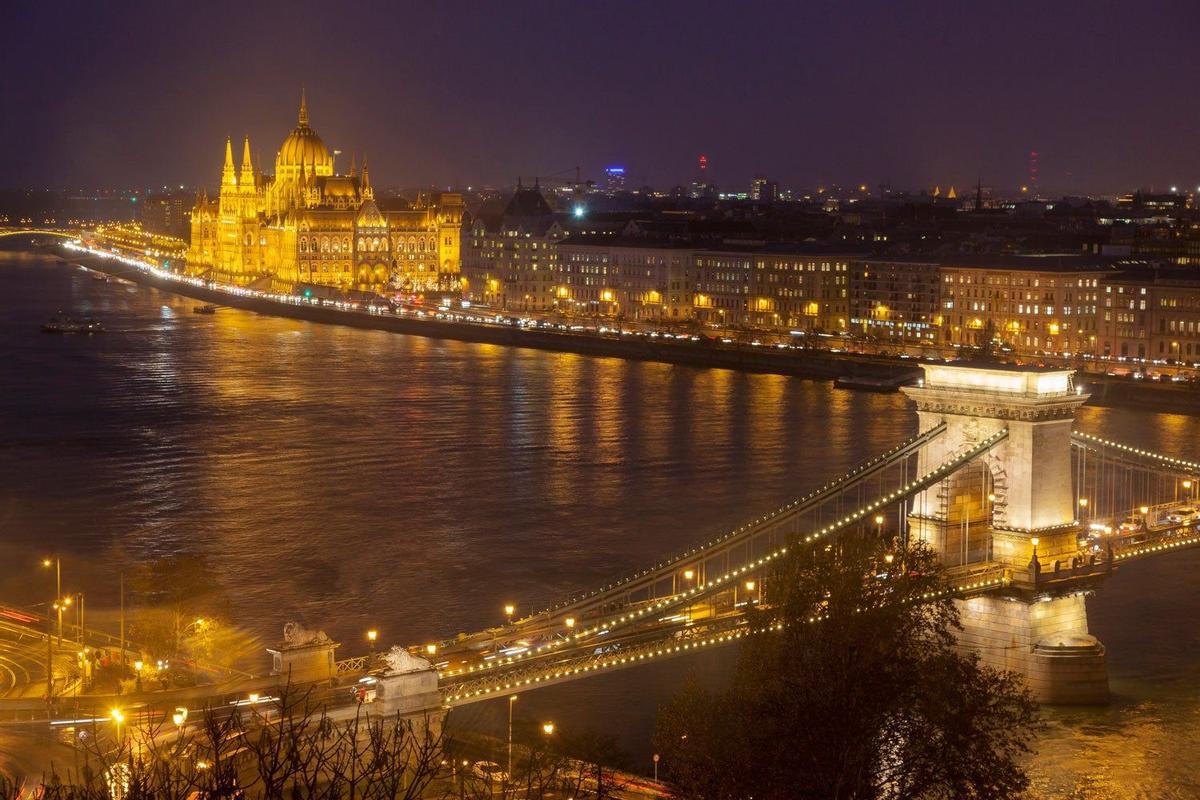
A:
x: 615, y: 178
x: 166, y: 214
x: 700, y: 186
x: 764, y: 190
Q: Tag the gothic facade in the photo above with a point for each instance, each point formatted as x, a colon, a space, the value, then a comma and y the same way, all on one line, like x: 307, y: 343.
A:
x: 307, y: 224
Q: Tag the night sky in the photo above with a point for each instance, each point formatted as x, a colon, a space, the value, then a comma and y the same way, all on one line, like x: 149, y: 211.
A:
x: 108, y: 94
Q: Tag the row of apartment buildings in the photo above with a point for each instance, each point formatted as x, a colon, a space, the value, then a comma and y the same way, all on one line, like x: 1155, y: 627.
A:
x: 530, y: 259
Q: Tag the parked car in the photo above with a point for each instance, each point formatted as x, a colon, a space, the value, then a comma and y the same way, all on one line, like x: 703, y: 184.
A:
x: 489, y: 771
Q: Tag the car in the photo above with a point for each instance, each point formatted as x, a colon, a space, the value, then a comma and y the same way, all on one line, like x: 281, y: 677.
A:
x: 1130, y: 525
x: 1181, y: 515
x: 489, y: 771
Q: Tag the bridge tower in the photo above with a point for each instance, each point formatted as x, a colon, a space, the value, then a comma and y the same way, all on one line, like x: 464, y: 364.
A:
x: 1013, y: 506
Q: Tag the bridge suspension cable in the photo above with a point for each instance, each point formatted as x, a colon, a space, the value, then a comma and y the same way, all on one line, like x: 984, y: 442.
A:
x: 648, y: 611
x: 786, y: 513
x: 663, y: 643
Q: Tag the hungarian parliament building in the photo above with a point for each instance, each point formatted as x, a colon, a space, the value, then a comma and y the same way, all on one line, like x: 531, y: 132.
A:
x: 309, y: 225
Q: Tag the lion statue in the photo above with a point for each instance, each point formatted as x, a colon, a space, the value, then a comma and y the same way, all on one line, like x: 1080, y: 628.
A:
x: 296, y: 634
x: 400, y: 661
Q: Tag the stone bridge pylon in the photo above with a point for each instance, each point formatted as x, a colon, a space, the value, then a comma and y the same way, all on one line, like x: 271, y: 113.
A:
x: 1014, y: 506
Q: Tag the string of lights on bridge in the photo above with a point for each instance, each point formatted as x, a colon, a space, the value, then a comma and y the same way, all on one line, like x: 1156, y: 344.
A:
x: 1190, y: 466
x: 749, y: 527
x: 1147, y: 549
x: 653, y: 652
x: 722, y: 581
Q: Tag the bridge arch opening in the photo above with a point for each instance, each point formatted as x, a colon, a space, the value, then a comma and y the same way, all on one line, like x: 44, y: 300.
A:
x: 970, y: 501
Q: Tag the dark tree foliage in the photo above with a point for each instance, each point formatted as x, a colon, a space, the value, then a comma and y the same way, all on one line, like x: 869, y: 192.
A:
x: 861, y: 694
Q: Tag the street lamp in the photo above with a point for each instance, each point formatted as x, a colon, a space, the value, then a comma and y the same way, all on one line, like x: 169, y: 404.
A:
x: 688, y: 574
x: 431, y: 649
x: 372, y: 635
x: 118, y: 718
x: 512, y: 699
x: 548, y: 728
x: 569, y: 622
x: 57, y: 562
x: 509, y: 610
x: 179, y: 717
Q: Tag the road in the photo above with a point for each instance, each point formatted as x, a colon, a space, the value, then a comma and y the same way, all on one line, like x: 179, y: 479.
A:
x: 23, y: 656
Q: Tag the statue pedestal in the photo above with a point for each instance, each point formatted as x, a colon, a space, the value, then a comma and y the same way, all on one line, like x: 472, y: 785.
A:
x: 409, y: 688
x: 408, y: 693
x: 304, y: 656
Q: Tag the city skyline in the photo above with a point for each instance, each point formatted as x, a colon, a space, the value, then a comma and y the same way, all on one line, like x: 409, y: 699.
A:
x: 915, y: 96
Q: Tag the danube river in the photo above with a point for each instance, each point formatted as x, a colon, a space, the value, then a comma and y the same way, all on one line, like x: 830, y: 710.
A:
x: 356, y: 479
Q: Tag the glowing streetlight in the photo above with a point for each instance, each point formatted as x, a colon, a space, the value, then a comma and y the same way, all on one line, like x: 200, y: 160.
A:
x: 548, y: 728
x: 1083, y: 502
x: 1187, y: 484
x: 879, y: 519
x: 431, y: 649
x: 372, y: 635
x: 509, y: 610
x: 991, y: 498
x: 569, y: 622
x: 57, y: 562
x: 117, y: 717
x: 688, y: 574
x: 1144, y: 510
x: 179, y: 717
x: 889, y: 558
x: 750, y: 586
x: 512, y: 699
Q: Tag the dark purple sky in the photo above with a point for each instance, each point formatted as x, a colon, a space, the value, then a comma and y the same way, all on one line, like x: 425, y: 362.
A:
x: 923, y: 93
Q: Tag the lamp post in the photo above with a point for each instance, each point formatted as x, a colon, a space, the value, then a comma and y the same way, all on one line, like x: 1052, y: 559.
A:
x: 80, y: 618
x: 57, y: 562
x: 656, y: 767
x: 117, y: 718
x: 512, y: 699
x: 179, y: 717
x: 509, y: 610
x: 372, y: 635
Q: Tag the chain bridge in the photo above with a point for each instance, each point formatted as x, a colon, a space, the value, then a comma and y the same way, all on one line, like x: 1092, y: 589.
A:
x: 1027, y: 515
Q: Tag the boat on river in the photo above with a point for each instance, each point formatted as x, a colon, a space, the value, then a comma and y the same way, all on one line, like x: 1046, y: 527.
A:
x: 61, y: 323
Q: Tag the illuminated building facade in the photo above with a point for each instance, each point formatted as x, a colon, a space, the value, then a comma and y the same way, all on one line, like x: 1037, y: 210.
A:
x: 307, y: 224
x: 896, y: 300
x: 1032, y: 304
x: 511, y: 260
x: 624, y: 277
x: 773, y: 287
x: 1151, y: 314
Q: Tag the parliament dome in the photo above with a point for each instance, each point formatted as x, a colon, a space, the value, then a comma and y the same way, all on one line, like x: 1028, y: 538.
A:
x: 304, y: 146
